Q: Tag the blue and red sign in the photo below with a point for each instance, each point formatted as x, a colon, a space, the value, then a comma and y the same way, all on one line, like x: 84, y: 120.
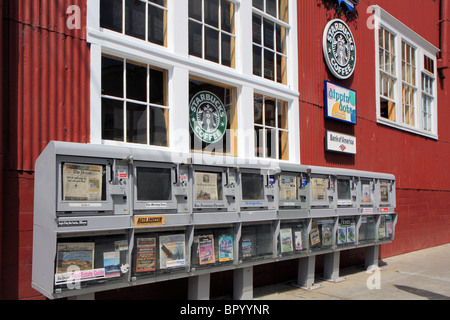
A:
x: 350, y: 4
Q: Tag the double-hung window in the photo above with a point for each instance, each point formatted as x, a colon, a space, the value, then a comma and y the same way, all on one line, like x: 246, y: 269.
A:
x: 428, y: 93
x: 271, y: 128
x: 406, y: 90
x: 134, y: 103
x: 211, y: 31
x: 387, y: 73
x: 270, y: 29
x: 142, y: 19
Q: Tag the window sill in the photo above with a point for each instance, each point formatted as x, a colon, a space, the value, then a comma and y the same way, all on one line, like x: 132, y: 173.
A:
x: 395, y: 125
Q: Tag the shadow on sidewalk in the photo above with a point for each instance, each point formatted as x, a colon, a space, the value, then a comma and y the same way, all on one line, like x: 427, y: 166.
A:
x: 423, y: 293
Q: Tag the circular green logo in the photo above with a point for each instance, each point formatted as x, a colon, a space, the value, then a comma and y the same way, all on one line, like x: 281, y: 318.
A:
x: 208, y: 117
x: 339, y: 49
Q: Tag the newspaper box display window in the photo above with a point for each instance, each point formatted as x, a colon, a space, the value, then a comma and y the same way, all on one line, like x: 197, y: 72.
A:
x: 256, y: 241
x: 346, y: 231
x: 213, y: 247
x: 321, y: 235
x: 159, y: 252
x: 293, y: 238
x: 368, y: 229
x: 87, y: 260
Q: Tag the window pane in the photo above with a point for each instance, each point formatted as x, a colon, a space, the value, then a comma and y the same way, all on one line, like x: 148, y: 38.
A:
x: 283, y: 145
x: 156, y: 25
x: 157, y: 87
x: 228, y: 142
x: 268, y: 34
x: 269, y: 72
x: 136, y: 82
x: 112, y: 119
x: 195, y: 39
x: 257, y: 60
x: 226, y: 49
x: 282, y: 115
x: 135, y: 19
x: 256, y: 29
x: 259, y: 142
x: 381, y: 59
x: 111, y: 15
x: 160, y: 2
x: 147, y: 190
x: 159, y: 122
x: 259, y: 4
x: 112, y: 77
x: 271, y: 143
x: 281, y: 68
x: 227, y: 19
x: 380, y: 37
x: 270, y: 112
x: 258, y: 109
x: 195, y: 9
x: 281, y: 39
x: 212, y: 12
x: 271, y: 7
x: 136, y: 123
x: 283, y: 11
x: 387, y: 109
x: 343, y: 189
x: 211, y: 44
x: 252, y: 186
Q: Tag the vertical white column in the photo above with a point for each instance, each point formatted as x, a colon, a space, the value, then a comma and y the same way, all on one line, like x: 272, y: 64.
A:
x: 95, y: 94
x: 179, y: 110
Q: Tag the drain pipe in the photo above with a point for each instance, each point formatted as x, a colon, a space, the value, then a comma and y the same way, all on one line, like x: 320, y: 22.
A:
x: 444, y: 39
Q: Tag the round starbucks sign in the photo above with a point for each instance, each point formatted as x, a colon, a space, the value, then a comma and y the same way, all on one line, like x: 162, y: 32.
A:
x: 208, y: 117
x: 339, y: 49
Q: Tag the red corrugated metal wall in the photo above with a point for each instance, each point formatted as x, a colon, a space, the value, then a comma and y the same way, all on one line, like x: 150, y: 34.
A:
x: 49, y: 69
x: 47, y: 98
x: 419, y: 164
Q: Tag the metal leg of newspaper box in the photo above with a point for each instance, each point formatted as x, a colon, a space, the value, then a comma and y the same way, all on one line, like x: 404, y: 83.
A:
x: 372, y: 256
x: 243, y: 284
x: 306, y: 268
x: 199, y: 287
x: 331, y: 267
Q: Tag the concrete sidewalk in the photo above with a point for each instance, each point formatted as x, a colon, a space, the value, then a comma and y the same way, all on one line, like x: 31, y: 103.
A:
x: 420, y: 275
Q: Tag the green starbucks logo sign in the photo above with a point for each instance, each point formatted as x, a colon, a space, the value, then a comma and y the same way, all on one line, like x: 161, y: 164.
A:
x: 339, y: 49
x: 208, y: 117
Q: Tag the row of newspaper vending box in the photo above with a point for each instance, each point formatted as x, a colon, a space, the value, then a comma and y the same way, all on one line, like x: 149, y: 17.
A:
x: 87, y: 261
x: 109, y: 217
x: 91, y: 180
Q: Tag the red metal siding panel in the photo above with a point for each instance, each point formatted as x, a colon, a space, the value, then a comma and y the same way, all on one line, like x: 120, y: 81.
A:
x: 419, y: 164
x: 50, y: 72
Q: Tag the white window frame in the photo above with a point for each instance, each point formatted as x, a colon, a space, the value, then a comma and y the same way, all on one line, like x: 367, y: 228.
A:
x: 278, y: 130
x: 422, y: 48
x: 277, y: 22
x: 180, y: 65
